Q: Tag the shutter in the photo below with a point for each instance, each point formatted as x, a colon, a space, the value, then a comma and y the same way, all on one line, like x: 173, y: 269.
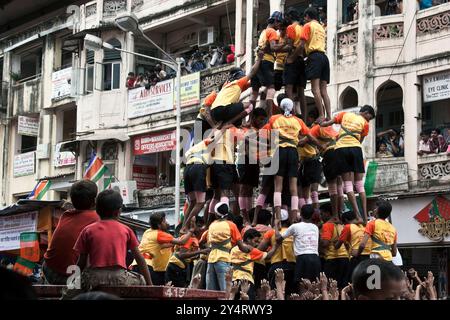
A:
x: 112, y: 55
x: 89, y: 56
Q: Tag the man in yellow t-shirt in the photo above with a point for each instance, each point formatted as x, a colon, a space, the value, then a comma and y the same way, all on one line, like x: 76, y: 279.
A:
x: 269, y: 43
x: 280, y: 57
x: 354, y: 127
x: 313, y: 42
x: 294, y: 72
x: 382, y: 233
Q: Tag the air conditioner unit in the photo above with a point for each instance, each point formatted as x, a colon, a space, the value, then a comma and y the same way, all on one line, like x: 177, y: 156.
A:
x: 206, y: 36
x: 128, y: 191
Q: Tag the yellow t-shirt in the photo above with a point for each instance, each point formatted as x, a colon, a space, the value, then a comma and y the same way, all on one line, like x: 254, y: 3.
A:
x: 314, y: 36
x: 381, y: 231
x: 331, y: 231
x: 231, y: 92
x: 243, y: 263
x: 353, y: 235
x: 307, y: 151
x: 280, y: 57
x: 223, y: 149
x: 286, y: 251
x: 351, y: 123
x: 326, y: 136
x: 266, y: 36
x: 221, y: 235
x: 207, y: 103
x: 199, y: 153
x: 150, y: 247
x: 289, y: 129
x: 191, y: 245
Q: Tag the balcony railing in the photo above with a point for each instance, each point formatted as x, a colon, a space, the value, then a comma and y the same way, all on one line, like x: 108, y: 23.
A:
x: 434, y: 168
x: 348, y: 39
x: 26, y: 97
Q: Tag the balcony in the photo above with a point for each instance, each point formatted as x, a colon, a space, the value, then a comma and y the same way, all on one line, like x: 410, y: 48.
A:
x: 388, y: 39
x: 434, y: 170
x: 433, y: 31
x: 26, y: 97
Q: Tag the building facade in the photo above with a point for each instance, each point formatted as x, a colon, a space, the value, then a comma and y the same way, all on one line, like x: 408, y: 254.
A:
x: 61, y: 103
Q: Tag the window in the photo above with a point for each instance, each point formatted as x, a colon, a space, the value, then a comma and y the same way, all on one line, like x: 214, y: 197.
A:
x: 30, y: 64
x: 388, y: 7
x: 28, y: 144
x: 349, y: 98
x: 89, y: 83
x: 69, y: 125
x: 66, y: 59
x: 349, y: 10
x: 110, y: 151
x: 111, y: 67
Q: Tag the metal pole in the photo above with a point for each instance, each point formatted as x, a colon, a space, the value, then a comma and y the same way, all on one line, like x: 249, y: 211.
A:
x: 178, y: 146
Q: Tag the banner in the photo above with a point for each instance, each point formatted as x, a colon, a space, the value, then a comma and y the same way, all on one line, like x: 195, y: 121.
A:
x: 385, y: 177
x: 190, y: 90
x: 61, y: 83
x: 27, y: 126
x: 145, y: 177
x: 158, y: 98
x: 12, y: 226
x: 154, y: 143
x: 24, y: 164
x: 29, y: 246
x: 63, y: 158
x: 436, y: 87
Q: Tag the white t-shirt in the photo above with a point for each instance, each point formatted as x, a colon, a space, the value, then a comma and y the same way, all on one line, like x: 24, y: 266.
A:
x: 306, y: 238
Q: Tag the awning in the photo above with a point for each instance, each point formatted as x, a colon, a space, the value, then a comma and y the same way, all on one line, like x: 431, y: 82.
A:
x: 26, y: 205
x: 104, y: 135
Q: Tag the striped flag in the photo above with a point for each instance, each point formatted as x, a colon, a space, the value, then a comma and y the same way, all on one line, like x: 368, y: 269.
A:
x: 96, y: 169
x: 39, y: 190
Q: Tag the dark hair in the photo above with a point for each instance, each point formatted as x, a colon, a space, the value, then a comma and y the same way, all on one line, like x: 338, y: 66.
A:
x: 293, y: 14
x: 312, y: 13
x: 238, y: 220
x: 223, y: 210
x: 348, y: 216
x: 264, y: 216
x: 156, y: 219
x: 285, y: 23
x: 251, y: 234
x: 108, y: 203
x: 438, y: 131
x: 384, y: 209
x: 307, y: 211
x: 258, y: 112
x: 83, y: 193
x: 280, y: 98
x: 313, y: 113
x: 96, y: 295
x: 199, y: 221
x: 326, y: 207
x: 369, y: 109
x: 361, y: 274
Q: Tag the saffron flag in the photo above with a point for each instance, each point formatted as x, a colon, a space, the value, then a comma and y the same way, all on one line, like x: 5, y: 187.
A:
x: 40, y: 190
x: 24, y: 266
x: 96, y: 169
x: 29, y: 246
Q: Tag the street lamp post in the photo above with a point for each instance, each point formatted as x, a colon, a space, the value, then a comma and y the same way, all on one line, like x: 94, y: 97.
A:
x: 129, y: 23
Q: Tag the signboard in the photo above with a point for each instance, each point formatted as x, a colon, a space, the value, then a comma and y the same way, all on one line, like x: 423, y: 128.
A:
x: 27, y: 126
x: 63, y: 158
x: 212, y: 81
x: 145, y: 176
x: 154, y: 143
x: 12, y: 226
x: 436, y: 87
x: 24, y: 164
x: 61, y: 83
x: 386, y: 177
x: 158, y: 98
x: 190, y: 90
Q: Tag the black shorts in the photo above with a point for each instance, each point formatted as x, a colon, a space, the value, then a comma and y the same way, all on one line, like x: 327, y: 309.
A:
x: 288, y: 162
x: 278, y: 79
x: 294, y: 73
x: 195, y: 178
x: 330, y: 165
x: 307, y: 266
x: 337, y: 269
x: 269, y: 182
x: 264, y: 77
x: 259, y: 273
x: 350, y: 159
x: 228, y: 112
x: 318, y: 67
x: 310, y: 172
x: 223, y: 176
x: 248, y: 174
x: 177, y: 275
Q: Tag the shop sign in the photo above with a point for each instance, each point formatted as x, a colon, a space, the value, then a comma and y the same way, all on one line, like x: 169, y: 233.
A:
x: 24, y: 164
x: 190, y: 90
x: 154, y: 143
x: 434, y: 219
x: 61, y: 83
x: 436, y: 87
x: 64, y: 158
x: 12, y: 226
x: 158, y: 98
x: 27, y: 126
x: 145, y: 176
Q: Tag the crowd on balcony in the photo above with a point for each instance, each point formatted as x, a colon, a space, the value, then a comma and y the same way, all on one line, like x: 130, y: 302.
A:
x: 147, y: 79
x: 433, y: 142
x: 391, y: 143
x: 198, y: 59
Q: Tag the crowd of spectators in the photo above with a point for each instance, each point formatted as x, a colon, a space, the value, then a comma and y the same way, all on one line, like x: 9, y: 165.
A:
x: 147, y: 79
x: 433, y: 142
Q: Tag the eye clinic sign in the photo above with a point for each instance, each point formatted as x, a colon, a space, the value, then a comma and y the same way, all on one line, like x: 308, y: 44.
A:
x: 436, y: 86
